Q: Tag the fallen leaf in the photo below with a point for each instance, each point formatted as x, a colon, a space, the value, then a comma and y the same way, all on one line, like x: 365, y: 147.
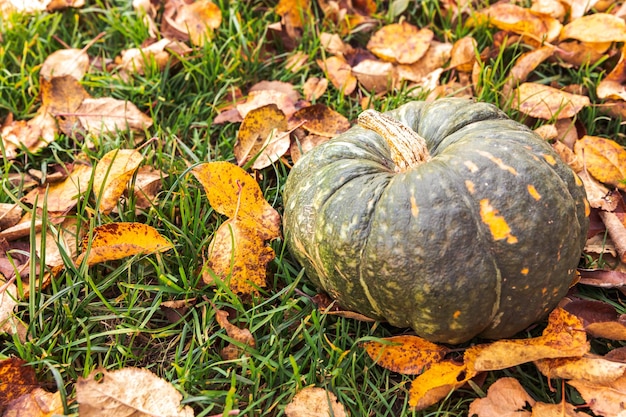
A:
x: 242, y: 336
x: 297, y: 61
x: 578, y: 8
x: 37, y: 403
x: 18, y: 378
x: 261, y: 98
x: 517, y: 19
x: 32, y: 135
x: 409, y: 355
x: 190, y: 21
x: 237, y: 252
x: 401, y: 43
x: 603, y: 278
x: 9, y: 324
x: 505, y: 398
x: 600, y: 319
x: 128, y: 392
x: 10, y: 215
x: 375, y: 76
x: 114, y: 241
x: 544, y: 102
x: 603, y: 399
x: 292, y: 13
x: 320, y: 120
x: 314, y: 88
x: 175, y: 310
x: 339, y: 72
x: 604, y: 159
x: 136, y: 60
x: 110, y: 115
x: 463, y: 54
x: 553, y: 8
x: 597, y: 27
x: 578, y: 53
x: 301, y: 146
x: 72, y: 62
x: 613, y: 86
x: 590, y: 369
x: 62, y: 196
x: 563, y: 337
x: 562, y: 409
x: 148, y: 183
x: 436, y: 383
x: 314, y: 402
x: 111, y: 176
x: 434, y: 59
x: 333, y: 44
x: 261, y: 128
x: 526, y: 64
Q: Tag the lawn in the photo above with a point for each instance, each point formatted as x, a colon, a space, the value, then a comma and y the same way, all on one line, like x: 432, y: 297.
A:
x: 110, y: 315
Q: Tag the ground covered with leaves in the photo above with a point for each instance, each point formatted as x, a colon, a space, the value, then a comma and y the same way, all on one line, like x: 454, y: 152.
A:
x: 144, y: 150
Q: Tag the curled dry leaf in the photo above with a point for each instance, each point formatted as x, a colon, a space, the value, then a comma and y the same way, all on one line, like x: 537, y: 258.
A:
x: 111, y: 176
x: 320, y: 120
x: 110, y: 115
x: 578, y: 53
x: 128, y: 392
x: 32, y: 135
x: 242, y: 336
x: 436, y: 383
x: 604, y: 159
x: 505, y: 398
x: 544, y: 102
x: 597, y: 27
x: 62, y: 196
x: 434, y: 59
x: 260, y: 132
x: 375, y: 75
x: 315, y: 402
x: 409, y: 355
x: 339, y: 72
x: 72, y: 62
x: 259, y: 98
x: 613, y: 86
x: 8, y: 322
x: 463, y: 54
x: 114, y: 241
x: 401, y: 43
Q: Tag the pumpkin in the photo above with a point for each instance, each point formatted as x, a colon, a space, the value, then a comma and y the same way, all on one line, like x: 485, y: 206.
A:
x: 447, y: 217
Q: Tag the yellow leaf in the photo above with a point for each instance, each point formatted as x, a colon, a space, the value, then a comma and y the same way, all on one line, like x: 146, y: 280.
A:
x: 436, y: 383
x: 409, y: 355
x: 516, y: 19
x: 604, y: 159
x: 111, y: 176
x: 238, y: 255
x: 118, y: 240
x: 63, y: 195
x: 597, y: 27
x: 563, y: 337
x: 234, y: 193
x: 604, y: 399
x: 590, y: 369
x: 261, y: 128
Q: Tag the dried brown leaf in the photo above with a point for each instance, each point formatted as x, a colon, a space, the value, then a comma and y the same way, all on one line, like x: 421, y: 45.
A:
x: 605, y: 399
x: 409, y: 355
x: 463, y: 54
x: 578, y: 53
x: 18, y: 378
x: 597, y: 27
x: 72, y: 62
x: 260, y: 98
x: 544, y: 102
x: 516, y: 19
x: 604, y: 159
x: 242, y: 336
x: 37, y: 403
x: 401, y: 43
x: 613, y: 86
x: 375, y: 76
x: 314, y: 402
x: 339, y: 72
x: 434, y: 59
x: 505, y: 398
x: 128, y: 392
x: 319, y: 119
x: 191, y: 21
x: 314, y: 88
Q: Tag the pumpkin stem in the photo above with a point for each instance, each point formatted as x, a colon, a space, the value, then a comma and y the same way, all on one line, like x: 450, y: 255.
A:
x: 408, y: 149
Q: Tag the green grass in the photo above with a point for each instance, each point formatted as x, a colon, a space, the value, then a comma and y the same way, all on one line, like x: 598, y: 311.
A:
x: 108, y: 316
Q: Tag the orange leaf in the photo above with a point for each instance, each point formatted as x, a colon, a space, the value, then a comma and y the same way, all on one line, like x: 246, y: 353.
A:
x: 63, y: 195
x: 604, y: 159
x: 16, y: 379
x: 118, y: 240
x: 597, y: 27
x: 37, y: 403
x: 320, y: 120
x: 221, y: 182
x: 261, y: 128
x: 409, y: 355
x: 563, y: 337
x: 339, y: 72
x: 111, y: 176
x: 604, y: 399
x: 516, y: 19
x: 436, y: 383
x: 402, y: 43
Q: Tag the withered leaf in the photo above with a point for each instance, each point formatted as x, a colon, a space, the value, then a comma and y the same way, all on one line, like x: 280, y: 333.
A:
x: 578, y: 53
x: 32, y: 135
x: 409, y: 355
x: 605, y: 399
x: 301, y: 146
x: 243, y: 336
x: 292, y: 13
x: 544, y: 102
x: 590, y: 369
x: 72, y: 62
x: 402, y: 43
x: 37, y: 403
x: 604, y: 159
x: 128, y: 392
x: 597, y: 27
x: 18, y: 378
x: 613, y: 86
x: 111, y: 176
x: 517, y: 19
x: 314, y: 88
x: 463, y: 54
x: 8, y: 324
x: 319, y: 119
x: 262, y: 128
x: 315, y: 402
x: 339, y: 73
x: 10, y: 215
x: 148, y: 182
x: 505, y: 397
x: 434, y: 59
x: 194, y: 21
x: 110, y: 115
x: 63, y: 195
x: 436, y: 383
x: 114, y: 241
x: 135, y: 60
x: 375, y: 75
x: 259, y: 98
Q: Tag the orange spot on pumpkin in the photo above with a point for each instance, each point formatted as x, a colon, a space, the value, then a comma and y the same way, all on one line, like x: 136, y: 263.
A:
x: 533, y: 192
x: 578, y: 181
x: 549, y: 159
x: 457, y: 314
x: 498, y: 226
x: 414, y: 208
x: 544, y: 290
x: 470, y: 186
x: 524, y: 271
x: 587, y: 208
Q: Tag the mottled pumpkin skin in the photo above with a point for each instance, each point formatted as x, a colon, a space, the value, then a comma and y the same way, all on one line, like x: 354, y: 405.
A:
x: 482, y: 240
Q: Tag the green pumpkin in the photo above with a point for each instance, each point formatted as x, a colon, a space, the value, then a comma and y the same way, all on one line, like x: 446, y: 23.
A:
x: 481, y: 238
